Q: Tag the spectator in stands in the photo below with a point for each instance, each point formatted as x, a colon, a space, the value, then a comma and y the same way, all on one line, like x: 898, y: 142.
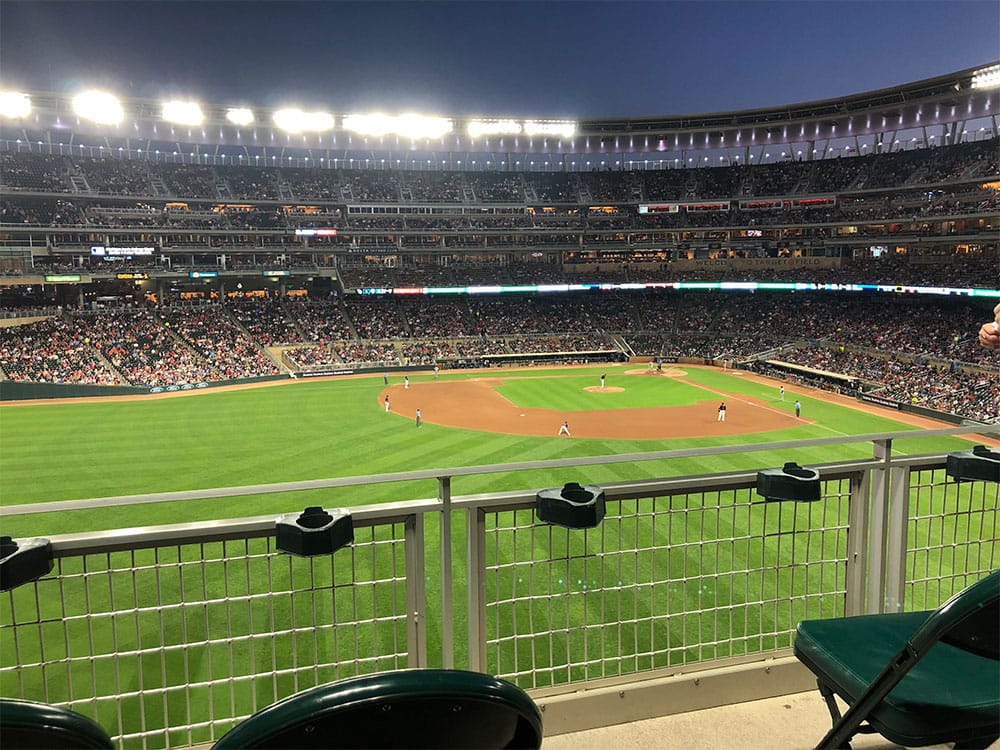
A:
x: 989, y: 334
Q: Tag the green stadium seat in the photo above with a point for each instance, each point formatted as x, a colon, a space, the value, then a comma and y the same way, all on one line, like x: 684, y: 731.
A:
x: 419, y: 708
x: 25, y: 724
x: 916, y: 678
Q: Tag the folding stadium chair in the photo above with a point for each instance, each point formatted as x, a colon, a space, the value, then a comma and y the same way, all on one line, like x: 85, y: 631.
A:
x: 916, y: 678
x: 24, y: 724
x: 419, y: 708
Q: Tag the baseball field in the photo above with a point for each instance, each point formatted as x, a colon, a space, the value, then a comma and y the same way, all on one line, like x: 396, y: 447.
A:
x: 339, y: 427
x: 336, y: 427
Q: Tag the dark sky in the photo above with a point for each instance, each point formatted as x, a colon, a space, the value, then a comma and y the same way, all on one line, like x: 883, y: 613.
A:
x: 555, y: 59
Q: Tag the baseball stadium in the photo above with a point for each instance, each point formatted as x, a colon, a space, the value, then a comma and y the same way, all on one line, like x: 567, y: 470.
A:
x: 582, y: 422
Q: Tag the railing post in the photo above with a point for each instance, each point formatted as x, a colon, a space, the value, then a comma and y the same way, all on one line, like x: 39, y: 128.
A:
x: 447, y: 608
x: 476, y: 587
x: 857, y: 535
x: 416, y: 593
x: 896, y: 537
x: 877, y: 527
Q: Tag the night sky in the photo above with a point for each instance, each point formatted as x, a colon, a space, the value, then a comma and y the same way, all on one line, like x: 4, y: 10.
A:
x: 548, y: 59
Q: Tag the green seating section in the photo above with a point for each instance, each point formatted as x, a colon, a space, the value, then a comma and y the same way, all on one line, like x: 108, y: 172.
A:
x: 420, y: 708
x: 917, y: 678
x: 25, y: 725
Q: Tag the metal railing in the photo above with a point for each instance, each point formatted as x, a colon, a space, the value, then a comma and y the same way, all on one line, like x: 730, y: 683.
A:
x: 679, y: 577
x: 168, y: 636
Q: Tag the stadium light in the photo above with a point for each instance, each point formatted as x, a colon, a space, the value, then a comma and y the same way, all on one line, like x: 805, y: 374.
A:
x: 14, y: 104
x: 98, y: 106
x: 183, y: 113
x: 239, y: 115
x: 294, y: 120
x: 408, y: 125
x: 986, y: 78
x: 563, y: 128
x: 478, y: 128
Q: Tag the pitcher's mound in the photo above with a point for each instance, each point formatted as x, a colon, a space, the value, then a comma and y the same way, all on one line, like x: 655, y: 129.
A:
x: 667, y: 372
x: 606, y: 389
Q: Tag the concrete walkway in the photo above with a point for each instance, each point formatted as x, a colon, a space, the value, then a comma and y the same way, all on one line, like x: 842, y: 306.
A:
x: 790, y: 722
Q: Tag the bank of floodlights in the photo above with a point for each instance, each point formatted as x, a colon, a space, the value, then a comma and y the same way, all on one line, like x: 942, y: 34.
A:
x: 98, y: 106
x: 294, y: 120
x: 240, y: 116
x: 183, y: 113
x: 986, y: 78
x: 14, y: 104
x: 561, y: 128
x: 479, y: 128
x: 411, y: 126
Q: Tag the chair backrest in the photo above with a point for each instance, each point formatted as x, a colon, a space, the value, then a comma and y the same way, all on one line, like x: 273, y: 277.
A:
x: 437, y: 708
x: 969, y: 620
x: 25, y: 724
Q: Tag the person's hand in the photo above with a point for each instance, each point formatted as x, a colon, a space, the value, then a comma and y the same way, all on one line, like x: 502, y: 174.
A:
x: 989, y: 336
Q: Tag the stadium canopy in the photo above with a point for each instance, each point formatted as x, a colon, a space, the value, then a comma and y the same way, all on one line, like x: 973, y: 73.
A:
x: 934, y: 111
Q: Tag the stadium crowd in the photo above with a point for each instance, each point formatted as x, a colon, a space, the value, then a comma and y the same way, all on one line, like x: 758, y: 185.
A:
x: 915, y: 350
x: 448, y: 228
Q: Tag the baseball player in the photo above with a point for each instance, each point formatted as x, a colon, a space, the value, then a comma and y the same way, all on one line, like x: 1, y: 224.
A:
x: 564, y: 430
x: 722, y: 412
x: 387, y: 403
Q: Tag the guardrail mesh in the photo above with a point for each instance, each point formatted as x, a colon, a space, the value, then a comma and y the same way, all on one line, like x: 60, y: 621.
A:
x: 953, y: 536
x: 196, y: 636
x: 171, y: 645
x: 662, y: 581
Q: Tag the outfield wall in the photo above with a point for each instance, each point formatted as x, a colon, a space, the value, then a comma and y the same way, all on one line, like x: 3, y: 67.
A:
x: 17, y: 391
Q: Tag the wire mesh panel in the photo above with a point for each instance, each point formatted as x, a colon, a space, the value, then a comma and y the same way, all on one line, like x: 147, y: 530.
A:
x: 661, y: 582
x: 953, y: 536
x: 169, y: 646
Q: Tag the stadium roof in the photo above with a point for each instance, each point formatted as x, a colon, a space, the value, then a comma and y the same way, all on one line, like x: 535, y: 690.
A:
x: 932, y: 103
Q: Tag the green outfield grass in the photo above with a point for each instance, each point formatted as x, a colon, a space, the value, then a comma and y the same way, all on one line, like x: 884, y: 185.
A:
x: 335, y: 428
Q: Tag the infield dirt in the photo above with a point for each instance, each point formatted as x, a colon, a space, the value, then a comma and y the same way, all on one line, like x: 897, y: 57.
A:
x: 477, y: 405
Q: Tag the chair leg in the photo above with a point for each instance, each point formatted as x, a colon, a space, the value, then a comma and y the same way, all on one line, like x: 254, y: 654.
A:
x: 831, y: 704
